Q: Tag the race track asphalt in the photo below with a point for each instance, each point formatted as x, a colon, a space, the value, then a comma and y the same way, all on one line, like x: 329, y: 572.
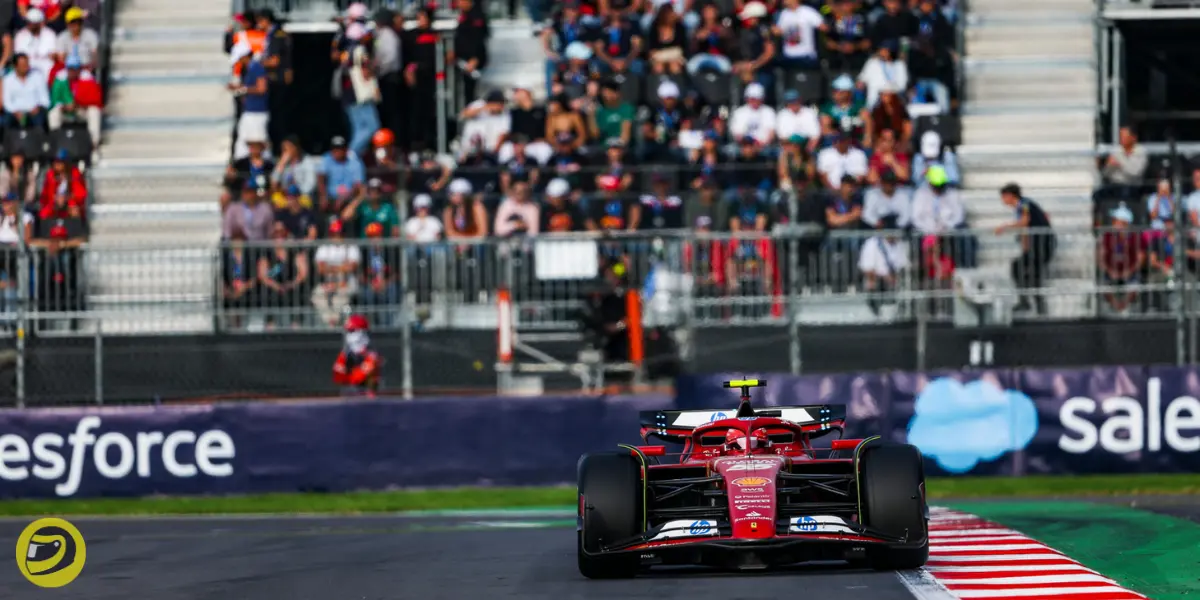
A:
x: 386, y: 557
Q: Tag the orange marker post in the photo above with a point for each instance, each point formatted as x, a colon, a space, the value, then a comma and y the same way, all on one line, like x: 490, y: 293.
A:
x: 633, y: 319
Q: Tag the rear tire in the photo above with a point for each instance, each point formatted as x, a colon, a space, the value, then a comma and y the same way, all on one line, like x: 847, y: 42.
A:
x: 892, y: 488
x: 610, y: 499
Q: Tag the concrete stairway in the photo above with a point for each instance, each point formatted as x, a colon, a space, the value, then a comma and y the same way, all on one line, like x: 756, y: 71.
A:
x: 517, y: 58
x: 1029, y: 118
x: 157, y: 182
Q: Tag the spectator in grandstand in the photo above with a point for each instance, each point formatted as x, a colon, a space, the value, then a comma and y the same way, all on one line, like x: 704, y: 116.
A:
x: 896, y: 22
x: 37, y: 42
x: 76, y: 97
x: 749, y: 213
x: 884, y: 257
x: 1161, y: 264
x: 937, y: 208
x: 64, y: 180
x: 363, y: 211
x: 566, y: 29
x: 613, y: 118
x: 58, y: 263
x: 667, y: 116
x: 566, y: 162
x: 528, y: 119
x: 844, y: 211
x: 477, y: 165
x: 239, y: 277
x: 795, y: 168
x: 846, y: 38
x: 253, y: 215
x: 887, y: 198
x: 420, y: 74
x: 935, y: 154
x: 560, y: 120
x: 358, y: 89
x: 752, y: 169
x: 708, y: 205
x: 17, y: 176
x: 517, y: 215
x: 253, y: 168
x: 1124, y: 168
x: 666, y: 41
x: 464, y: 219
x: 488, y: 123
x: 49, y: 11
x: 845, y: 114
x: 422, y: 227
x: 26, y: 95
x: 520, y: 168
x: 618, y: 45
x: 470, y: 52
x: 707, y: 163
x: 78, y: 41
x: 891, y: 113
x: 1121, y: 259
x: 1160, y: 206
x: 931, y: 55
x: 389, y: 66
x: 884, y: 71
x: 430, y: 175
x: 337, y: 276
x: 282, y: 275
x: 340, y: 179
x: 16, y: 226
x: 712, y: 44
x: 574, y: 78
x: 757, y: 43
x: 381, y: 269
x: 277, y: 59
x: 561, y: 214
x: 382, y: 161
x: 651, y: 149
x: 249, y: 88
x: 661, y: 209
x: 1191, y: 203
x: 1037, y: 241
x: 297, y: 220
x: 613, y: 210
x: 841, y: 160
x: 754, y: 119
x: 614, y: 167
x: 798, y: 119
x: 797, y: 25
x: 887, y: 158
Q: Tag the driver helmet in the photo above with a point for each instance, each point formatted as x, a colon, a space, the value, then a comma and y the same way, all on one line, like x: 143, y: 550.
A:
x: 737, y: 440
x: 357, y: 337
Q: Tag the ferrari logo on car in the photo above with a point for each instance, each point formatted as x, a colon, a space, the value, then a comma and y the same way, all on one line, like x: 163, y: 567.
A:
x: 749, y: 481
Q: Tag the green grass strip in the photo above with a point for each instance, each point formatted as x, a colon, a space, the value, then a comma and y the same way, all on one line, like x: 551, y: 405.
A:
x: 525, y: 497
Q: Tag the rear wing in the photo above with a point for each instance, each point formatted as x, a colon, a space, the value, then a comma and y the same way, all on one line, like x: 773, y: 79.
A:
x: 677, y: 425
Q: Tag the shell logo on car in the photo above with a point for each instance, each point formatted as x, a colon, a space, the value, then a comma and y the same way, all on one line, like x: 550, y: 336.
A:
x: 749, y: 481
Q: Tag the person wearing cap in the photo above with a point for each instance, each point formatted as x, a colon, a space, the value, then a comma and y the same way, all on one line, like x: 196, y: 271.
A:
x: 338, y: 265
x: 797, y: 26
x: 520, y: 168
x: 26, y: 95
x: 758, y: 46
x: 887, y: 198
x: 841, y: 159
x: 250, y: 90
x: 844, y: 113
x: 276, y: 57
x: 937, y: 208
x: 244, y: 31
x: 464, y: 218
x: 340, y: 178
x: 78, y: 40
x: 252, y: 215
x: 572, y: 79
x: 933, y: 153
x: 382, y: 161
x: 882, y: 260
x: 845, y: 208
x: 1037, y: 241
x: 884, y: 70
x: 76, y: 96
x: 887, y: 158
x: 254, y: 166
x: 561, y: 213
x: 373, y: 208
x: 614, y: 166
x: 239, y: 277
x: 798, y: 119
x: 1121, y: 258
x: 612, y: 210
x: 709, y: 204
x: 517, y: 215
x: 666, y: 41
x: 754, y: 118
x: 613, y: 117
x: 64, y: 180
x: 847, y: 42
x: 422, y: 227
x: 299, y: 221
x: 36, y: 41
x: 565, y: 30
x: 59, y: 267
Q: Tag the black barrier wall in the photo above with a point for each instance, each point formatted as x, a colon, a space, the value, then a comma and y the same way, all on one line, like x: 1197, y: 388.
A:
x: 143, y: 368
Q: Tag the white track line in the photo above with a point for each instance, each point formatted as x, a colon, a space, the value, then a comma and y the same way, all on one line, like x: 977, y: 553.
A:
x: 1039, y: 592
x: 924, y: 586
x: 1030, y: 580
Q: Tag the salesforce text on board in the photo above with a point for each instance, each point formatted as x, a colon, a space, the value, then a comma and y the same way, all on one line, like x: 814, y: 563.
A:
x: 1139, y: 428
x: 114, y: 455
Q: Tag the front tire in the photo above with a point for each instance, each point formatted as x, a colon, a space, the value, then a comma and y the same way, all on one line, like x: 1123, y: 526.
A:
x: 892, y: 487
x: 611, y: 509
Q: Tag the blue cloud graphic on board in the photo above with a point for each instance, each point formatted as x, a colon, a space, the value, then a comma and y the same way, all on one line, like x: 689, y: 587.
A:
x: 960, y: 426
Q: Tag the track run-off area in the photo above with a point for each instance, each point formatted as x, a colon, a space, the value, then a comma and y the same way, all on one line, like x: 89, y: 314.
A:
x: 531, y: 554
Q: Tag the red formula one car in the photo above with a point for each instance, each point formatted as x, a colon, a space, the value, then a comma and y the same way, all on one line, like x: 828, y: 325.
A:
x: 749, y: 491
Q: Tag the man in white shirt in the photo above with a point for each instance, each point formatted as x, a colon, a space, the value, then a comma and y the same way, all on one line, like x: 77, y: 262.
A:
x: 37, y: 42
x: 491, y: 126
x: 839, y: 160
x: 937, y: 208
x: 337, y: 275
x: 797, y: 119
x: 422, y: 227
x: 881, y: 260
x: 26, y: 95
x: 887, y: 199
x: 754, y: 119
x: 797, y: 26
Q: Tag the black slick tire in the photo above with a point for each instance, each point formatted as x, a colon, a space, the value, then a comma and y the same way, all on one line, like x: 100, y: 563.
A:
x: 893, y: 502
x: 610, y: 498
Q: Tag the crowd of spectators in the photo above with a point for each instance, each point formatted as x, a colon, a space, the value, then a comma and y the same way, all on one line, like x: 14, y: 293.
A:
x: 660, y: 116
x: 51, y: 102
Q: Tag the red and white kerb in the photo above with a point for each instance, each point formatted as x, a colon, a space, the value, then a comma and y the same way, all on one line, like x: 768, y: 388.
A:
x: 973, y: 558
